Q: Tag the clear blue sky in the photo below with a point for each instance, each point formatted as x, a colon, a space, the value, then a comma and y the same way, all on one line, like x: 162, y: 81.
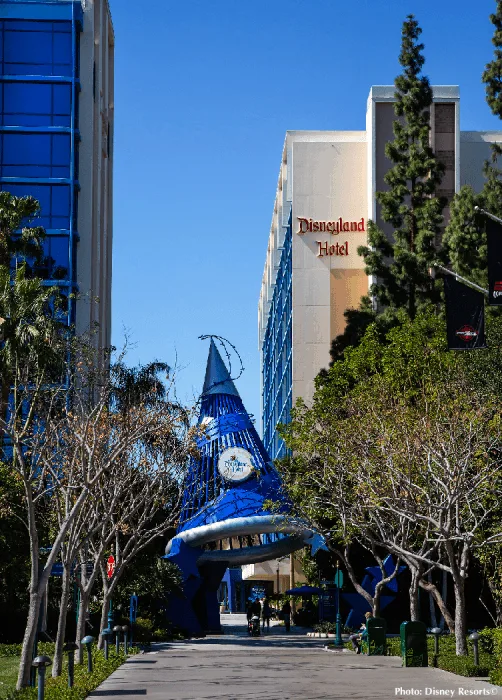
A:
x: 205, y: 91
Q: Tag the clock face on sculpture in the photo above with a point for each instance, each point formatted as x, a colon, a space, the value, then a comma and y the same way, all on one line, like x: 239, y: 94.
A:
x: 235, y: 464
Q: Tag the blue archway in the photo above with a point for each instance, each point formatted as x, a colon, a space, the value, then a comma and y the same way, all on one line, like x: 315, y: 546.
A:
x: 224, y: 520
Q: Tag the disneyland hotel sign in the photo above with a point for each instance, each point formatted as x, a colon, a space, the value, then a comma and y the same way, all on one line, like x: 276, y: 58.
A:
x: 333, y: 227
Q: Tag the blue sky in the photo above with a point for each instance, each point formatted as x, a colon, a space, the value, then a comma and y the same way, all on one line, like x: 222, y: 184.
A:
x: 205, y: 91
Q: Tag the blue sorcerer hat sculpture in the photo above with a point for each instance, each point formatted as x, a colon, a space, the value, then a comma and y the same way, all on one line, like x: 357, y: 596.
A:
x: 224, y: 521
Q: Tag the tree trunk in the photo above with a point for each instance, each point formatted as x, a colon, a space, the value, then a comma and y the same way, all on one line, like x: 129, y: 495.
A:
x: 23, y: 678
x: 344, y: 556
x: 460, y: 616
x: 104, y: 616
x: 448, y: 617
x: 57, y: 665
x: 432, y: 607
x: 81, y: 620
x: 414, y: 600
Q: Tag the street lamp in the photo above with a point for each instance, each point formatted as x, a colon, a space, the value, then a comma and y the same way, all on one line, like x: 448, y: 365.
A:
x: 88, y: 641
x: 41, y: 663
x: 117, y: 629
x: 436, y: 631
x: 125, y: 630
x: 338, y: 583
x: 474, y: 637
x: 70, y: 648
x: 106, y: 634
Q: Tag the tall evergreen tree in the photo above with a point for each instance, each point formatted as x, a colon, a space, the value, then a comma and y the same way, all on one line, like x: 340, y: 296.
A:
x: 400, y: 265
x: 492, y: 75
x: 465, y: 237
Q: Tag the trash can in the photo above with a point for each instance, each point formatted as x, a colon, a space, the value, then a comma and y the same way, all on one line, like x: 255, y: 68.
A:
x: 414, y: 644
x: 376, y: 628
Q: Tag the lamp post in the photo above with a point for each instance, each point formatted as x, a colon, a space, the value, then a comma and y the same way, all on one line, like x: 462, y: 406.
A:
x: 436, y: 631
x: 106, y: 634
x: 110, y: 614
x: 474, y: 637
x: 88, y: 641
x: 125, y: 630
x: 41, y: 663
x: 338, y: 627
x: 117, y: 629
x: 70, y: 648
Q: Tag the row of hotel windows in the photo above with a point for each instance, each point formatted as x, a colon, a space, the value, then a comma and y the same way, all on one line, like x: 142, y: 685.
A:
x: 35, y: 48
x: 277, y: 361
x: 35, y: 104
x: 32, y: 158
x: 35, y: 155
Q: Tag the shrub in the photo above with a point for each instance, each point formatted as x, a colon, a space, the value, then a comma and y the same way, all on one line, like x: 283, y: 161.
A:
x: 143, y: 630
x: 57, y: 688
x: 461, y: 665
x: 46, y: 648
x: 496, y: 675
x: 326, y: 627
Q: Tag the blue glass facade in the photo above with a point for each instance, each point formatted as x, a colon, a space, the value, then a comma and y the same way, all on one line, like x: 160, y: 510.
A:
x: 39, y: 84
x: 277, y: 372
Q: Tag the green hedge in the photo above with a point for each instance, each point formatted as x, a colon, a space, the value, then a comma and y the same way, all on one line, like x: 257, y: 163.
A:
x: 46, y: 648
x: 491, y: 643
x: 57, y: 688
x: 490, y: 655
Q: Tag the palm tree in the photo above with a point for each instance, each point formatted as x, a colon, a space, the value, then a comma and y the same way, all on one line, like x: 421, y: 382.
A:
x: 17, y: 240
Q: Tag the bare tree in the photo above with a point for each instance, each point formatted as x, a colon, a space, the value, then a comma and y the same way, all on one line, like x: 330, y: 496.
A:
x: 437, y: 469
x: 136, y: 501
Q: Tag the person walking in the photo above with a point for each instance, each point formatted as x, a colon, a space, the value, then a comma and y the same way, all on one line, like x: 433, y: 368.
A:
x: 266, y: 613
x: 249, y: 610
x: 286, y: 615
x: 256, y: 608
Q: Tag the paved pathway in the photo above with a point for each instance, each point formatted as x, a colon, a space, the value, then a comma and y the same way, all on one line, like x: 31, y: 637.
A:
x: 275, y: 666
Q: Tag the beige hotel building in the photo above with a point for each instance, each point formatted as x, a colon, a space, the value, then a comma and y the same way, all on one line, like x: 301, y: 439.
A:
x: 325, y: 196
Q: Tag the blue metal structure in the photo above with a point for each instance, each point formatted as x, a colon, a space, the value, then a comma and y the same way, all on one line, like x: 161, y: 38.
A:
x: 277, y: 354
x: 39, y: 85
x: 226, y: 521
x: 359, y: 605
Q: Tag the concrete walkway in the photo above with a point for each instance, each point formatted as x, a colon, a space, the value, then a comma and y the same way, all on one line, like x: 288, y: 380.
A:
x: 276, y: 666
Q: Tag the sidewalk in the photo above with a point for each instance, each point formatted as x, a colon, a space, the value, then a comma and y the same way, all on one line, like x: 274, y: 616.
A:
x: 276, y: 665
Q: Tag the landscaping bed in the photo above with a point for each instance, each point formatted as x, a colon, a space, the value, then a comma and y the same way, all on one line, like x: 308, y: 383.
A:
x: 57, y: 688
x: 490, y: 655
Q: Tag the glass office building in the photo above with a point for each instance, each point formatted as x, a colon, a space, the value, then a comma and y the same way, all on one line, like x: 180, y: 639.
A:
x: 325, y: 196
x: 56, y: 136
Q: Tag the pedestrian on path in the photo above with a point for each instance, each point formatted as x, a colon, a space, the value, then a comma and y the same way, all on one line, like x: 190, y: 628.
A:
x: 266, y: 612
x: 256, y: 608
x: 286, y: 615
x: 249, y: 610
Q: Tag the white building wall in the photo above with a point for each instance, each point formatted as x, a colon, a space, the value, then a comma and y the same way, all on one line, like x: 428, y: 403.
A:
x: 328, y: 183
x: 95, y: 205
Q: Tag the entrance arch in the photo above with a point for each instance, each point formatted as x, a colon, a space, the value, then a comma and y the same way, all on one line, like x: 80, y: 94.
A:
x: 224, y: 520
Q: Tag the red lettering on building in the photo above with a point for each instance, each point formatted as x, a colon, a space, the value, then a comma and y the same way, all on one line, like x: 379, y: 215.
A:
x: 334, y: 227
x: 335, y: 249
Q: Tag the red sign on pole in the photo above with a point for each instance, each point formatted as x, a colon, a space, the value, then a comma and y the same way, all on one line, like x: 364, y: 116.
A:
x: 110, y: 566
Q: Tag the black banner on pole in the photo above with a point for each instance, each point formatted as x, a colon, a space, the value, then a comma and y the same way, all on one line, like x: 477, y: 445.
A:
x: 494, y: 245
x: 465, y: 316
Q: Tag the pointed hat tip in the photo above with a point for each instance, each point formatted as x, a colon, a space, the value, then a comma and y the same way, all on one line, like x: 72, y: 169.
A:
x: 217, y: 379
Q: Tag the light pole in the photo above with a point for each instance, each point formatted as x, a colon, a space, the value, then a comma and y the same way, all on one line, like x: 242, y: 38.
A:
x: 338, y: 583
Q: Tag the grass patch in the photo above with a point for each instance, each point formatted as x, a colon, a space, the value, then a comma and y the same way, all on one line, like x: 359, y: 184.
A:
x: 57, y: 688
x: 9, y: 666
